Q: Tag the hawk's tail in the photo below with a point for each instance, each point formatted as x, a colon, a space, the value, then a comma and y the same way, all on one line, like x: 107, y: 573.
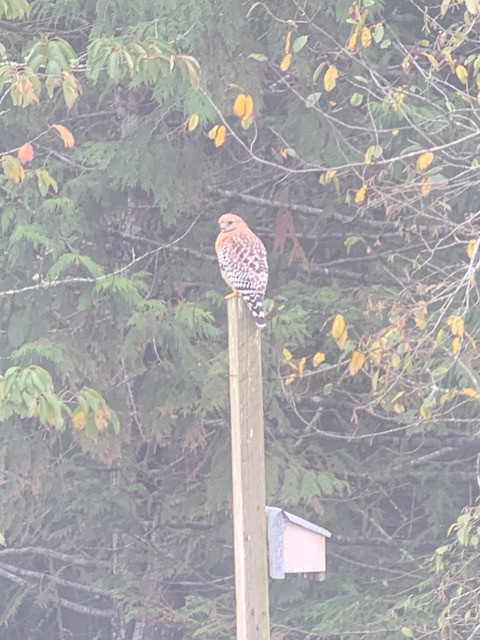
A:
x: 254, y: 302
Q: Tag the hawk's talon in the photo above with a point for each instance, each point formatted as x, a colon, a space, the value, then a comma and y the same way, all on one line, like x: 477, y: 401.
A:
x: 234, y: 294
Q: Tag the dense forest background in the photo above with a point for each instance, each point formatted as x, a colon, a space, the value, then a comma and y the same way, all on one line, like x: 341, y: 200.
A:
x: 348, y: 136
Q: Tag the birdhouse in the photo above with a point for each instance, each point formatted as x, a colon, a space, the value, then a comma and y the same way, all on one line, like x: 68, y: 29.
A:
x: 294, y: 545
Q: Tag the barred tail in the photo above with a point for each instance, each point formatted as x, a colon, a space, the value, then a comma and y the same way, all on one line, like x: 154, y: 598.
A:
x: 254, y: 302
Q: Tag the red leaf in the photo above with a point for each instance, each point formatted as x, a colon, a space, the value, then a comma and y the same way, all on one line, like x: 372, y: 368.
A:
x: 26, y: 153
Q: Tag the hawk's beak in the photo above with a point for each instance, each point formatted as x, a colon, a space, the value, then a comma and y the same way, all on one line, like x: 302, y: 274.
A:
x: 222, y: 226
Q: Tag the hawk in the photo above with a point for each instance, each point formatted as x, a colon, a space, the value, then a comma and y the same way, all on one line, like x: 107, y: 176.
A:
x: 243, y: 263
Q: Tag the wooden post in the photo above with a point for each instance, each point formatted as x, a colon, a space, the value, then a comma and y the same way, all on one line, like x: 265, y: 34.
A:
x: 248, y: 473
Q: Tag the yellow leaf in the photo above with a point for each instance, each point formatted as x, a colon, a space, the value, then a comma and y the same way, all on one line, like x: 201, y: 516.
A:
x: 286, y: 354
x: 426, y: 186
x: 213, y: 132
x: 288, y: 41
x: 433, y: 61
x: 220, y: 135
x: 473, y: 6
x: 248, y: 107
x: 478, y: 81
x: 246, y: 123
x: 239, y: 105
x: 420, y: 314
x: 398, y: 408
x: 65, y: 134
x: 327, y: 177
x: 449, y: 59
x: 425, y: 160
x: 339, y: 326
x: 301, y: 366
x: 79, y: 420
x: 193, y: 121
x: 396, y: 361
x: 13, y: 169
x: 366, y: 37
x: 330, y: 78
x: 456, y: 344
x: 447, y: 396
x: 462, y: 73
x: 397, y: 99
x: 471, y: 247
x: 285, y: 63
x: 101, y: 419
x: 289, y: 379
x: 352, y: 42
x: 339, y: 331
x: 406, y: 64
x: 357, y: 362
x: 318, y: 358
x: 472, y: 393
x: 425, y: 412
x: 376, y: 352
x: 456, y: 325
x: 360, y: 195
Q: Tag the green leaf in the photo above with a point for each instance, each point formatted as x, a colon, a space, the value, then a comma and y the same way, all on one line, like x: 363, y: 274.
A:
x: 45, y: 181
x: 407, y: 632
x: 299, y: 43
x: 378, y: 33
x: 312, y: 99
x: 441, y: 550
x: 356, y: 99
x: 318, y: 71
x: 260, y: 57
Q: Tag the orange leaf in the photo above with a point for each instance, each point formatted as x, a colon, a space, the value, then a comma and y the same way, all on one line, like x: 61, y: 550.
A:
x: 248, y: 107
x: 426, y: 186
x: 239, y: 106
x: 285, y: 63
x: 220, y: 135
x: 26, y: 153
x: 352, y: 42
x: 65, y: 134
x: 288, y: 40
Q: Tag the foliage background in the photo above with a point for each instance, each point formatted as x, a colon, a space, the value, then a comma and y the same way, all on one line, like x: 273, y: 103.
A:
x: 358, y: 166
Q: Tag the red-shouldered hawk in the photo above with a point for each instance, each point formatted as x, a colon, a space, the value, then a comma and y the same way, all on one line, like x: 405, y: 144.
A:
x: 243, y: 263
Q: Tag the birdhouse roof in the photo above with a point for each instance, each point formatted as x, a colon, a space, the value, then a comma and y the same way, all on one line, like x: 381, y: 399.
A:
x: 300, y: 521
